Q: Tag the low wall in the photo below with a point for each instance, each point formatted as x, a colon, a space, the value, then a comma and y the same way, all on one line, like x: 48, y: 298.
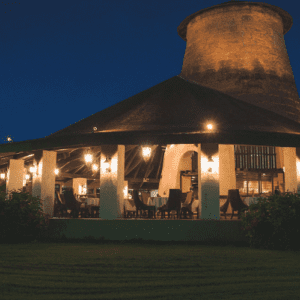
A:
x: 156, y: 230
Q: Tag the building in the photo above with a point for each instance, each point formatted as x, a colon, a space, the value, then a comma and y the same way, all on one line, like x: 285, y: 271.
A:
x: 229, y: 120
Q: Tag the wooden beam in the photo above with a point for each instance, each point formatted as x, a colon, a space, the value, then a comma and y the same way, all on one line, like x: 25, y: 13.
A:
x: 150, y: 165
x: 70, y: 161
x: 138, y: 168
x: 130, y: 162
x: 79, y: 168
x: 69, y: 175
x: 139, y: 180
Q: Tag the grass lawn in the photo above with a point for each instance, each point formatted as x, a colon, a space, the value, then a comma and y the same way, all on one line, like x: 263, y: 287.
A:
x: 146, y: 271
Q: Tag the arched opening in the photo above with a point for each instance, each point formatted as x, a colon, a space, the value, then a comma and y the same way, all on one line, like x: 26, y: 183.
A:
x: 188, y: 172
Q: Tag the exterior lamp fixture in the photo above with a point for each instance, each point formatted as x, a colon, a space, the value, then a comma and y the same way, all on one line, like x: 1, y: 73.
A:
x: 209, y: 126
x: 210, y: 160
x: 2, y: 175
x: 95, y: 168
x: 106, y: 165
x: 27, y: 176
x: 32, y: 169
x: 146, y: 153
x: 56, y: 171
x: 88, y: 158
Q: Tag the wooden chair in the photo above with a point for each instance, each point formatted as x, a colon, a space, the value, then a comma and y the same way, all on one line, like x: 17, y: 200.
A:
x: 186, y: 207
x: 172, y: 204
x: 183, y: 197
x: 140, y: 206
x: 93, y: 211
x: 60, y: 209
x: 129, y: 209
x: 235, y: 201
x: 145, y: 197
x: 73, y: 205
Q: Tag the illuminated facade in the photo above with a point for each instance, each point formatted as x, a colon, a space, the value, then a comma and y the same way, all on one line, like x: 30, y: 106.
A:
x: 229, y: 120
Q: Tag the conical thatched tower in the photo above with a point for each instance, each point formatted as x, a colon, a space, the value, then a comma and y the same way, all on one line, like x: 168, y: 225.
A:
x: 238, y: 48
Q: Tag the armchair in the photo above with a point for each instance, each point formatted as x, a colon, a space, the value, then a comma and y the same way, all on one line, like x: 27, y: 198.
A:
x: 235, y: 201
x: 140, y: 206
x: 186, y: 207
x: 60, y: 209
x: 173, y: 203
x: 72, y: 204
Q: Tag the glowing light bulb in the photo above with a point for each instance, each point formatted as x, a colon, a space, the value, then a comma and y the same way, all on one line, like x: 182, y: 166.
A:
x: 146, y: 152
x: 88, y: 158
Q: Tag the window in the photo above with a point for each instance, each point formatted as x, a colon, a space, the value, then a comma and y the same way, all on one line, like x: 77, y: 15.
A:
x: 57, y: 187
x: 90, y: 191
x: 254, y: 157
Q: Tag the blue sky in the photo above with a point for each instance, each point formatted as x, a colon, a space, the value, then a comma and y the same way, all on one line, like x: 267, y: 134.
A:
x: 62, y: 61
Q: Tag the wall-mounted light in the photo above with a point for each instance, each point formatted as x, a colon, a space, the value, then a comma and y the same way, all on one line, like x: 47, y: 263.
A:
x: 95, y: 168
x: 88, y: 158
x: 32, y: 169
x: 125, y: 190
x: 209, y: 126
x: 210, y: 161
x: 2, y: 175
x: 82, y: 189
x: 146, y: 153
x: 27, y: 176
x: 56, y: 171
x: 106, y: 165
x: 210, y: 164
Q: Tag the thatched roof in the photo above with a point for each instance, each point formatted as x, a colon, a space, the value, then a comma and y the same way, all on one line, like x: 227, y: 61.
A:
x: 175, y: 111
x: 177, y: 105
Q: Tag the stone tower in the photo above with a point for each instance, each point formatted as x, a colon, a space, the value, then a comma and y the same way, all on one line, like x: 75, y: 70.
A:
x: 238, y: 48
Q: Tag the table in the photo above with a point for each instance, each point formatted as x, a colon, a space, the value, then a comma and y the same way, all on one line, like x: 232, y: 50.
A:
x: 195, y: 205
x: 157, y: 201
x: 129, y: 204
x: 91, y: 201
x: 250, y: 200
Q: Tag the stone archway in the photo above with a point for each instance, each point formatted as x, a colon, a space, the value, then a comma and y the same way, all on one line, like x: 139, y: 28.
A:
x: 177, y: 158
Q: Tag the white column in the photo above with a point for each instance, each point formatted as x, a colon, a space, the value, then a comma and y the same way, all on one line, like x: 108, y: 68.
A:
x: 112, y: 182
x: 15, y: 175
x: 227, y: 169
x: 290, y: 169
x: 43, y: 181
x: 79, y: 184
x: 298, y: 173
x: 298, y: 168
x: 208, y: 181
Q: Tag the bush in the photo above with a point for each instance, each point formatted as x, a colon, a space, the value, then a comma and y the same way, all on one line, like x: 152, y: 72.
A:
x: 21, y: 217
x: 273, y: 222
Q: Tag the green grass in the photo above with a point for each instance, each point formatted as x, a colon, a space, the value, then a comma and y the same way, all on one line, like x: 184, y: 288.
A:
x: 146, y: 271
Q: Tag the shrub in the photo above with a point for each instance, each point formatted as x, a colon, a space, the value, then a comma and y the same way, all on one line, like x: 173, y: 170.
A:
x: 273, y: 222
x: 21, y: 217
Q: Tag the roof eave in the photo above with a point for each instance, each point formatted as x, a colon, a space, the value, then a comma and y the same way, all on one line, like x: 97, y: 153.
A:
x: 156, y: 138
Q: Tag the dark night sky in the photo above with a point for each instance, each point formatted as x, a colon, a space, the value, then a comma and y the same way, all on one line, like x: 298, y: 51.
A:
x: 62, y: 60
